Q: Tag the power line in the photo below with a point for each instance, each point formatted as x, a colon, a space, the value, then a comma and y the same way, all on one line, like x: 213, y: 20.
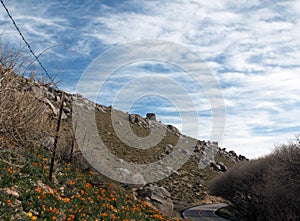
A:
x: 27, y: 44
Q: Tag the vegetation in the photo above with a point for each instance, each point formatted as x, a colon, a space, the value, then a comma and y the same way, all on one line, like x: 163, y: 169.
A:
x: 25, y: 190
x: 267, y: 188
x: 26, y: 193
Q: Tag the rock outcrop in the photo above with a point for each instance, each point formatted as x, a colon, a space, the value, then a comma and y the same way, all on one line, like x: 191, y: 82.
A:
x: 151, y: 116
x: 159, y: 197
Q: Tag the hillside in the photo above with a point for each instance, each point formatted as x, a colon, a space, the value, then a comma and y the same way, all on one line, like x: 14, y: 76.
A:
x: 29, y: 112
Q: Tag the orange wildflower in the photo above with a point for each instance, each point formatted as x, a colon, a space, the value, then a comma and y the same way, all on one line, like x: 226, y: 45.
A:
x: 67, y: 200
x: 72, y: 182
x: 10, y: 170
x: 39, y: 189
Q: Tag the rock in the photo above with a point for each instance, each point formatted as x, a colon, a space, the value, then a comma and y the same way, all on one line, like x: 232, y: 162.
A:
x: 57, y: 98
x: 68, y: 98
x: 136, y: 119
x: 131, y: 118
x: 123, y: 171
x: 215, y: 143
x: 215, y: 166
x: 67, y: 110
x: 172, y: 128
x: 218, y: 166
x: 12, y: 191
x: 36, y: 91
x: 199, y: 147
x: 159, y: 197
x: 47, y: 142
x: 151, y: 116
x: 185, y: 151
x: 168, y: 148
x: 52, y: 107
x: 118, y: 122
x: 100, y: 108
x: 223, y: 168
x: 232, y: 153
x: 241, y: 158
x: 138, y: 179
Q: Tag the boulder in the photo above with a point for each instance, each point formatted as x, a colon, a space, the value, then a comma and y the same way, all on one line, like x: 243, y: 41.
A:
x: 241, y: 158
x: 123, y: 171
x: 172, y: 128
x: 151, y: 116
x: 215, y: 166
x: 168, y: 148
x: 159, y: 197
x: 223, y: 168
x: 52, y: 107
x: 37, y: 91
x: 47, y: 142
x: 232, y: 153
x: 138, y: 179
x: 135, y: 118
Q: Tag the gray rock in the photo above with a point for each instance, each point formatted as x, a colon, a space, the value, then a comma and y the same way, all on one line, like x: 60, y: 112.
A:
x: 123, y: 171
x: 159, y: 197
x: 37, y: 91
x: 151, y: 116
x: 47, y: 142
x: 52, y: 107
x: 138, y: 179
x: 131, y: 118
x: 223, y: 168
x: 67, y: 110
x: 215, y: 166
x: 136, y: 119
x: 172, y: 128
x: 168, y: 148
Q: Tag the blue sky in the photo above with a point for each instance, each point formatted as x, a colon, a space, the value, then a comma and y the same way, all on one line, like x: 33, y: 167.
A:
x: 251, y: 47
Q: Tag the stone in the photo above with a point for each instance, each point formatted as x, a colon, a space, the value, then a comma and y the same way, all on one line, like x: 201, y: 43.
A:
x: 168, y: 148
x: 151, y: 116
x: 123, y: 171
x: 215, y: 166
x: 185, y: 151
x: 47, y: 142
x: 172, y: 128
x: 36, y: 91
x: 138, y: 179
x: 131, y: 118
x: 241, y: 158
x: 232, y: 153
x: 223, y: 168
x: 52, y: 107
x: 67, y: 110
x: 159, y: 197
x: 136, y: 119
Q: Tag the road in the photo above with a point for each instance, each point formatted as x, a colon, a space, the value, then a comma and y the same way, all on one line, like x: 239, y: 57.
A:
x: 204, y: 212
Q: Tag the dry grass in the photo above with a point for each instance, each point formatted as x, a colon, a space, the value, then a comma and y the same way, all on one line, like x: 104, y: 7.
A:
x: 23, y: 117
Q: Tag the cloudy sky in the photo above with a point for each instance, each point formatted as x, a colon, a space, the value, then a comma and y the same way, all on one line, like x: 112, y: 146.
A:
x: 250, y: 47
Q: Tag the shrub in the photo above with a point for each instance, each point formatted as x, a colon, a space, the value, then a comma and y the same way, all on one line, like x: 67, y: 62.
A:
x: 23, y: 117
x: 264, y: 189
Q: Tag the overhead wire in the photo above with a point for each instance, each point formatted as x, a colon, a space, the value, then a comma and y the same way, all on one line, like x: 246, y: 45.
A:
x: 27, y: 44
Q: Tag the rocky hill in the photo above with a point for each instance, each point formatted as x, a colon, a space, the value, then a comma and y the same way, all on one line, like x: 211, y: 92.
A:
x: 182, y: 187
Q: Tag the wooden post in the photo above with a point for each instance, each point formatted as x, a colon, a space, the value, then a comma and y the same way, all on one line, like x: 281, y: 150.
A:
x: 72, y: 148
x: 56, y: 135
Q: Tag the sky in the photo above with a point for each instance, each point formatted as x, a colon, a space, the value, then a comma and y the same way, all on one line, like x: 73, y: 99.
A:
x: 251, y: 49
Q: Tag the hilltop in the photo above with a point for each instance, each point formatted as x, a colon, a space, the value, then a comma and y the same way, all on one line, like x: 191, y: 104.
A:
x: 29, y: 112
